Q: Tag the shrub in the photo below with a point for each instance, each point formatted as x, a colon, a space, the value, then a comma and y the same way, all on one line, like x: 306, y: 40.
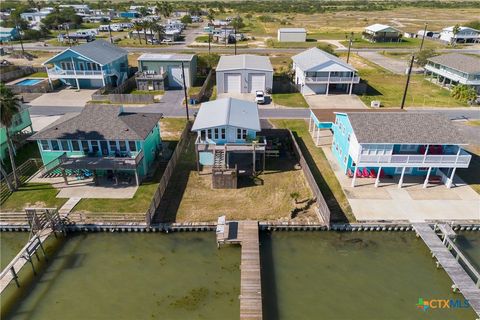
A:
x: 463, y: 93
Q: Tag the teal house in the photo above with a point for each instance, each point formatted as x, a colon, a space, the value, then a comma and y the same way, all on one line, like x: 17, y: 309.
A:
x: 91, y: 65
x: 8, y: 34
x: 21, y: 126
x: 227, y: 133
x: 387, y: 144
x: 103, y: 139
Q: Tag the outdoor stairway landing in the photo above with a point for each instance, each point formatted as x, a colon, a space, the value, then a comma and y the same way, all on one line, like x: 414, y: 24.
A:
x: 454, y: 270
x: 219, y: 159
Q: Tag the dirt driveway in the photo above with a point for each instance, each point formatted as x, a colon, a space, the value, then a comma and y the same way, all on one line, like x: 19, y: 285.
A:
x: 63, y: 98
x: 335, y: 101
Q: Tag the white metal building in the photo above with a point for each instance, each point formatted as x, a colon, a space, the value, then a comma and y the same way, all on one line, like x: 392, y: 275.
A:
x: 244, y: 73
x: 292, y: 35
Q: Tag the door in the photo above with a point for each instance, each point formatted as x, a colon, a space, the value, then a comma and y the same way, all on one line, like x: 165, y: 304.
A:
x: 232, y: 83
x: 256, y: 81
x: 175, y: 77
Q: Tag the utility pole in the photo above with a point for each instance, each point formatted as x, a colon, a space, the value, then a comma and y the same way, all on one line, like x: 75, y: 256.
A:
x: 408, y: 81
x: 209, y: 40
x: 349, y: 46
x: 20, y: 33
x: 423, y: 37
x: 235, y: 43
x: 110, y: 32
x: 185, y: 92
x: 225, y: 34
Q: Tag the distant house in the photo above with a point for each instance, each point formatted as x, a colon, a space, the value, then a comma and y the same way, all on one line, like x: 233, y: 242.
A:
x: 292, y: 35
x: 464, y: 35
x: 226, y: 132
x: 21, y: 124
x: 80, y: 9
x: 34, y: 18
x: 381, y: 33
x: 381, y: 144
x: 318, y: 72
x: 102, y: 139
x: 450, y: 69
x: 155, y: 69
x: 428, y: 34
x: 8, y: 34
x: 244, y: 73
x: 92, y: 65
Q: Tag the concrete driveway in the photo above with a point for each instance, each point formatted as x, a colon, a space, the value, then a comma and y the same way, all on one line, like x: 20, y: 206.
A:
x: 248, y: 97
x: 397, y: 66
x: 63, y: 98
x: 335, y: 101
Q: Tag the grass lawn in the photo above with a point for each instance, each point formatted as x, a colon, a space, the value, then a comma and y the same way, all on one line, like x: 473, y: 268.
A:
x: 38, y: 75
x: 294, y: 100
x: 471, y: 175
x: 473, y: 123
x: 332, y: 35
x: 323, y: 173
x: 308, y: 44
x: 154, y: 92
x: 191, y: 198
x: 40, y: 195
x: 202, y: 39
x: 193, y: 91
x: 388, y: 88
x: 358, y: 42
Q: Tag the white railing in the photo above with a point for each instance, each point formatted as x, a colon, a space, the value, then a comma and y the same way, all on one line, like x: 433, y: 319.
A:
x: 59, y: 72
x: 451, y: 75
x: 333, y: 79
x: 462, y: 160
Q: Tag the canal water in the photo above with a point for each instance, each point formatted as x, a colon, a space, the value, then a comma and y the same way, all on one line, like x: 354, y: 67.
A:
x: 469, y: 243
x: 306, y: 275
x: 10, y: 245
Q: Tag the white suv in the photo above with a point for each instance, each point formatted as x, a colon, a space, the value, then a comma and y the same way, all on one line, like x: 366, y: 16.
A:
x: 260, y: 97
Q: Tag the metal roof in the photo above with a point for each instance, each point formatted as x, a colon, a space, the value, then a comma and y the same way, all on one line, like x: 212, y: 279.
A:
x: 380, y: 27
x: 461, y: 29
x: 299, y: 30
x: 244, y: 61
x: 458, y: 61
x: 227, y: 112
x: 165, y: 57
x: 404, y: 128
x: 101, y: 122
x: 315, y: 59
x: 99, y: 51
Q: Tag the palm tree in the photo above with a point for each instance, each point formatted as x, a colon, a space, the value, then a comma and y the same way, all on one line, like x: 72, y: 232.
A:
x: 456, y: 29
x: 211, y: 15
x: 157, y: 28
x: 165, y: 8
x: 10, y: 106
x: 146, y: 24
x: 137, y: 26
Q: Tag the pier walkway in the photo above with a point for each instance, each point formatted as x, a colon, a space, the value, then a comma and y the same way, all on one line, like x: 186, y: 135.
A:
x: 245, y: 233
x: 462, y: 281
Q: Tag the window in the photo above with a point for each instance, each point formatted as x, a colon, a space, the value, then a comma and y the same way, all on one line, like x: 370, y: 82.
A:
x: 85, y: 147
x: 408, y: 147
x: 112, y: 145
x: 55, y: 145
x: 348, y: 138
x: 209, y: 134
x: 94, y: 144
x: 202, y: 135
x: 132, y: 146
x: 215, y: 133
x: 65, y: 146
x: 75, y: 145
x: 241, y: 134
x: 45, y: 145
x: 123, y: 146
x: 223, y: 133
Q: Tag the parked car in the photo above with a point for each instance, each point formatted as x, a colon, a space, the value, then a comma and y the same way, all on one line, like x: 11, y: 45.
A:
x: 260, y: 97
x: 152, y: 41
x: 167, y: 41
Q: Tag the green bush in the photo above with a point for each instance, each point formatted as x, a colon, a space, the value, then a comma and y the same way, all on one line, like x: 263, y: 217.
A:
x: 463, y: 93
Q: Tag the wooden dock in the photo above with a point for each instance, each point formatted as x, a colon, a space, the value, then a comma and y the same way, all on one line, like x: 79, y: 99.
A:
x: 462, y: 281
x: 25, y: 255
x: 245, y: 233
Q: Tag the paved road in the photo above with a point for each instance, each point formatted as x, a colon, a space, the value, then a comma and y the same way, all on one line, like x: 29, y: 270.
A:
x: 393, y: 65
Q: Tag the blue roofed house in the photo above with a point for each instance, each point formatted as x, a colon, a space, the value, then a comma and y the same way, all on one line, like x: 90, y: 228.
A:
x: 227, y: 129
x: 103, y: 140
x: 92, y: 65
x: 8, y: 34
x: 381, y: 144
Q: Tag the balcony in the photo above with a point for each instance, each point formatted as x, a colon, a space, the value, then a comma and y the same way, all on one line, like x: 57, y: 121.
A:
x: 460, y: 78
x: 415, y: 160
x: 149, y: 75
x: 332, y: 79
x: 101, y: 163
x: 210, y: 145
x: 75, y: 74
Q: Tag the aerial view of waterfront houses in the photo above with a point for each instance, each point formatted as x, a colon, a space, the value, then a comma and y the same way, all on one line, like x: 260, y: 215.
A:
x: 226, y: 159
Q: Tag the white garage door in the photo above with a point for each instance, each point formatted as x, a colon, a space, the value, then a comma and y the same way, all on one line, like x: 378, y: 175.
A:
x: 311, y: 89
x: 256, y: 81
x: 175, y: 77
x: 232, y: 83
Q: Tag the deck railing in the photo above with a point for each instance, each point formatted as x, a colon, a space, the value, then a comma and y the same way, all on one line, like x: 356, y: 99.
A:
x: 60, y: 72
x: 461, y: 160
x: 333, y: 79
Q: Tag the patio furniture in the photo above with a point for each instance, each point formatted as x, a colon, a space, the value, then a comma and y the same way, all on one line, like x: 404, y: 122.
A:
x: 435, y: 179
x: 359, y: 173
x: 365, y: 173
x: 373, y: 173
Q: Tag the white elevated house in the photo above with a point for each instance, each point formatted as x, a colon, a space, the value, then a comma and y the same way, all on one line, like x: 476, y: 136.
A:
x: 319, y: 72
x: 464, y: 35
x: 292, y: 35
x: 381, y: 33
x: 450, y: 69
x: 244, y: 73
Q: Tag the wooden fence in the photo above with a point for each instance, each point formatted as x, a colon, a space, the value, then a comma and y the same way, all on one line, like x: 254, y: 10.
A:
x: 24, y: 171
x: 118, y: 95
x: 19, y: 72
x: 162, y: 186
x: 207, y: 88
x: 320, y: 200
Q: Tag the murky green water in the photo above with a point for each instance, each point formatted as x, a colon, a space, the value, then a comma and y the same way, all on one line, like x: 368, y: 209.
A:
x: 328, y: 275
x: 135, y: 276
x: 469, y: 243
x: 10, y: 245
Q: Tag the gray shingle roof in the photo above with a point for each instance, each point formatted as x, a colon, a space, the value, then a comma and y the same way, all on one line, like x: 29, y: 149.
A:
x: 100, y: 122
x: 100, y: 51
x: 404, y: 128
x: 315, y: 59
x: 458, y: 61
x: 227, y: 112
x: 244, y: 61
